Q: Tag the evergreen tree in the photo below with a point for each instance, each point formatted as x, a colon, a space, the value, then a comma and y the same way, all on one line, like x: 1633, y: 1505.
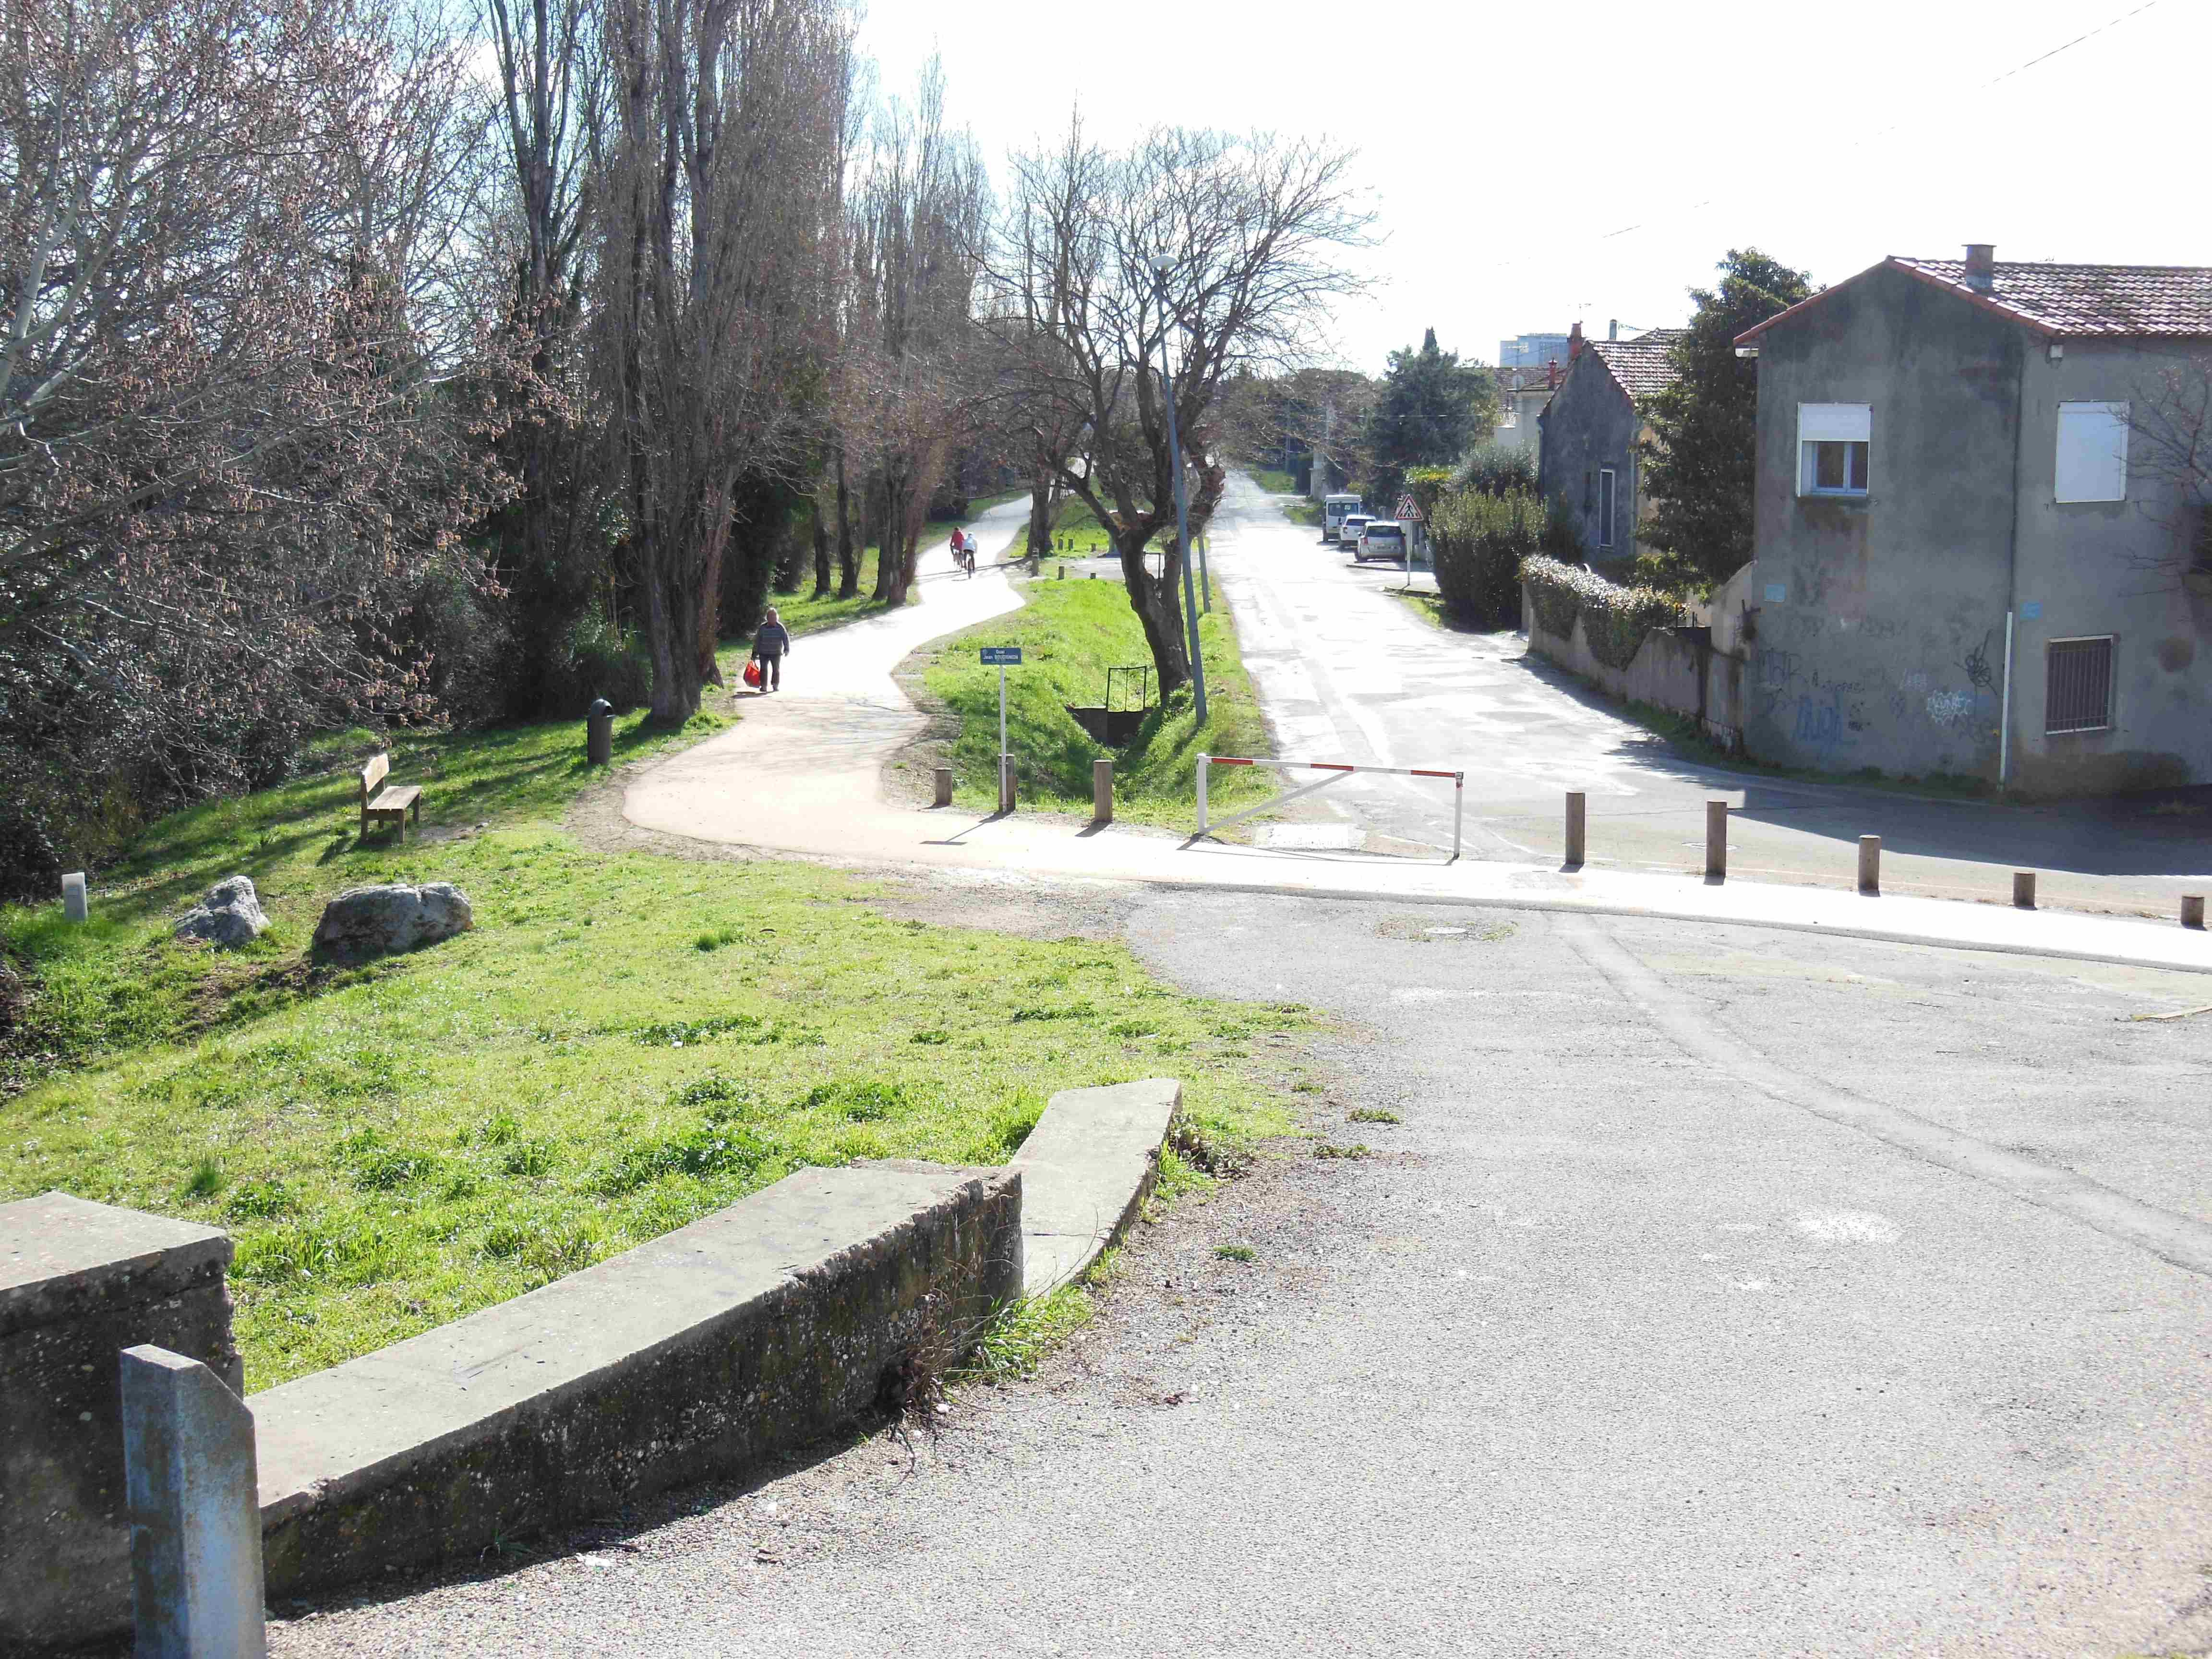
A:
x: 1699, y: 449
x: 1432, y: 409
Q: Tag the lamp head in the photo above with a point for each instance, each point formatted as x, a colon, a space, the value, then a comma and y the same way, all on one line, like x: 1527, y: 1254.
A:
x: 1161, y: 264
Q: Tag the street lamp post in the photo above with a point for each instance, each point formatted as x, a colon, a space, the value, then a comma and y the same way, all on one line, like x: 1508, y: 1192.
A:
x: 1161, y: 265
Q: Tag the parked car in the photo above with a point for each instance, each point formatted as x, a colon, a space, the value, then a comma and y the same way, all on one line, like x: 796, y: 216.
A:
x: 1380, y: 538
x: 1347, y: 533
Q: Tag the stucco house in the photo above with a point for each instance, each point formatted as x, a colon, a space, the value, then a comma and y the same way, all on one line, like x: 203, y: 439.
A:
x: 1587, y: 457
x: 1973, y: 555
x: 1522, y: 395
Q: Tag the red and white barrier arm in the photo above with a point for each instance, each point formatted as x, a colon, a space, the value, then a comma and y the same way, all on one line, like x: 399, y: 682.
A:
x: 1338, y: 771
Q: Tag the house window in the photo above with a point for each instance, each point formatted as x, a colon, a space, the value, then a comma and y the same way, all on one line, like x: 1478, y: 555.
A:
x: 1833, y: 444
x: 2092, y: 452
x: 1605, y: 496
x: 2078, y: 693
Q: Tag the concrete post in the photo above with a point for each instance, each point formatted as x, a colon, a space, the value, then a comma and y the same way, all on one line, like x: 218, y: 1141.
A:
x: 2192, y: 910
x: 1576, y: 841
x: 1060, y: 572
x: 1005, y: 783
x: 2023, y: 889
x: 1870, y: 863
x: 195, y: 1514
x: 942, y: 779
x: 73, y: 901
x: 1101, y: 792
x: 1716, y: 820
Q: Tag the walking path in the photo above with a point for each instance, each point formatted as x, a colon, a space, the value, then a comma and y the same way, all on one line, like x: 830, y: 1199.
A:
x: 803, y: 774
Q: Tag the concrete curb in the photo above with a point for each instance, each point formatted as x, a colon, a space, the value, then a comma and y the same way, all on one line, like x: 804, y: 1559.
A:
x: 767, y: 1324
x: 1086, y: 1170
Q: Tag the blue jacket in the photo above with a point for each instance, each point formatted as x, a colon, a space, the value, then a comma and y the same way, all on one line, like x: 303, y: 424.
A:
x: 772, y: 641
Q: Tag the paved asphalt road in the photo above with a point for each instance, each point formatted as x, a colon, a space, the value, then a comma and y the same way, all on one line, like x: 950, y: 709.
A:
x: 1721, y: 1293
x: 1347, y: 673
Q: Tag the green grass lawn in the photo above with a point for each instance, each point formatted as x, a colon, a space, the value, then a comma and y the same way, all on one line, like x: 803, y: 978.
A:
x: 622, y: 1044
x: 1071, y: 632
x: 1274, y: 483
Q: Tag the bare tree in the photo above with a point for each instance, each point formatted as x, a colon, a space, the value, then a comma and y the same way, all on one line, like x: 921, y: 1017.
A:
x: 2170, y: 443
x: 913, y: 233
x: 719, y: 187
x: 229, y: 446
x: 1254, y: 231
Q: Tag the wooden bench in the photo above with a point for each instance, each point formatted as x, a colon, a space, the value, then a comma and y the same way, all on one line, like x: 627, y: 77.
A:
x: 390, y: 804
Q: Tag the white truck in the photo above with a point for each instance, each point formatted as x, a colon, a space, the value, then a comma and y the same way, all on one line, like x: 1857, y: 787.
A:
x: 1334, y: 510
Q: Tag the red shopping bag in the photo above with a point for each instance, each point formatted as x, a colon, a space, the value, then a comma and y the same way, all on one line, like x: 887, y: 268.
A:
x: 753, y: 673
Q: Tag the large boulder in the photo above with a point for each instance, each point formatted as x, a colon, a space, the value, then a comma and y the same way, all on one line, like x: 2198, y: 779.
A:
x: 364, y: 922
x: 229, y: 915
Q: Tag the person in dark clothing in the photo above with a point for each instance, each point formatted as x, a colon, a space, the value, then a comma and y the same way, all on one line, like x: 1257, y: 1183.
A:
x: 768, y: 647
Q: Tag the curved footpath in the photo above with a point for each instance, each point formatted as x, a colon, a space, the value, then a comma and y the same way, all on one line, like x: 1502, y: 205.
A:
x: 803, y: 775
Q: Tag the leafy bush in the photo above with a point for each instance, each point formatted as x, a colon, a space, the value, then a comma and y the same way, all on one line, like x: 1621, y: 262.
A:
x: 1495, y: 469
x: 1615, y: 619
x: 1481, y: 541
x: 598, y: 658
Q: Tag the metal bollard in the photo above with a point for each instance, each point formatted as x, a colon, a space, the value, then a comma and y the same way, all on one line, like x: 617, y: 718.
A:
x: 2023, y: 889
x: 1576, y: 839
x: 1005, y: 783
x: 2192, y: 910
x: 1716, y: 820
x: 73, y: 899
x: 1101, y: 792
x: 1870, y: 863
x: 943, y: 778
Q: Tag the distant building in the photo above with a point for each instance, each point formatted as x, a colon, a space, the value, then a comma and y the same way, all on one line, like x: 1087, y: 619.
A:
x: 1532, y: 351
x: 1973, y: 554
x: 1587, y: 458
x: 1522, y: 395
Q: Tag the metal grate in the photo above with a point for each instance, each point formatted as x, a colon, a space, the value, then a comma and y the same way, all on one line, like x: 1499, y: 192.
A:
x: 2079, y: 694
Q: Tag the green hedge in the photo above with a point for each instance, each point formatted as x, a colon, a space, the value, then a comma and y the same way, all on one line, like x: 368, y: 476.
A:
x: 1614, y: 619
x: 1481, y: 542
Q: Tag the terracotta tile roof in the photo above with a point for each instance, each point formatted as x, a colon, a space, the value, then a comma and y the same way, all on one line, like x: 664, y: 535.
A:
x: 1643, y: 365
x: 2065, y: 301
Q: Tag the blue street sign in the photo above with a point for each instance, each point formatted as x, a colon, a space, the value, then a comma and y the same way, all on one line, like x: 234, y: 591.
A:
x: 1002, y: 655
x: 2032, y: 611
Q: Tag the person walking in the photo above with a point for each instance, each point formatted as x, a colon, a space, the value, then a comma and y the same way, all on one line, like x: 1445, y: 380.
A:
x: 769, y: 644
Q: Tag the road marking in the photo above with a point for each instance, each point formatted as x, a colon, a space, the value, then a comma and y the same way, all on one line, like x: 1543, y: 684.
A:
x: 2177, y: 1239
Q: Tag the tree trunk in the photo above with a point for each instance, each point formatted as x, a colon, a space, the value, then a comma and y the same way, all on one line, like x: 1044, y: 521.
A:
x: 848, y: 554
x: 1042, y: 499
x: 887, y: 510
x: 821, y: 550
x: 1157, y: 603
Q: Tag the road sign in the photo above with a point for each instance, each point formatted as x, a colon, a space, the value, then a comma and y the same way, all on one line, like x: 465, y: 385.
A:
x: 1000, y: 655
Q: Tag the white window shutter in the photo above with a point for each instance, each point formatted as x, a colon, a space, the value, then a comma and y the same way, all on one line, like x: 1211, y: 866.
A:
x: 1835, y: 423
x: 2092, y: 452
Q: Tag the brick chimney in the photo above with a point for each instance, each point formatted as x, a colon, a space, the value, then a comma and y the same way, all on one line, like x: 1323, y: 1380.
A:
x: 1981, y: 267
x: 1552, y: 374
x: 1575, y: 341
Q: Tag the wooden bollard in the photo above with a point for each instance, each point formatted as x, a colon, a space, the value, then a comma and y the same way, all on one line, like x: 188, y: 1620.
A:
x: 1062, y: 573
x: 1716, y: 820
x: 1577, y: 839
x: 943, y: 777
x: 2023, y: 890
x: 1870, y: 864
x: 1101, y: 792
x: 2192, y: 910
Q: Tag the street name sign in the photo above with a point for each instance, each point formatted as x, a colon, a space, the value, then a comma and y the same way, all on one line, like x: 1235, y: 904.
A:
x: 1001, y: 655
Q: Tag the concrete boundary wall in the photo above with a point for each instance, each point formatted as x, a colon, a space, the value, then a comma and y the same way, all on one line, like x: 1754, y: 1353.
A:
x: 1086, y: 1170
x: 1675, y: 668
x: 770, y: 1323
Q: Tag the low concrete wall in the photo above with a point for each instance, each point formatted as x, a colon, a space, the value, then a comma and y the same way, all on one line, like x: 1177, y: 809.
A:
x: 765, y: 1325
x: 1086, y: 1168
x: 79, y: 1283
x: 1674, y: 668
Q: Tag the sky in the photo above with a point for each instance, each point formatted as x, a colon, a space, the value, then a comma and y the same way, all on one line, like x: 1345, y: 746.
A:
x: 1532, y: 165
